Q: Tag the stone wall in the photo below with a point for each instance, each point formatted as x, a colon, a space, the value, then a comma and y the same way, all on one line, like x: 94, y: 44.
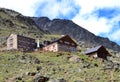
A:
x: 59, y: 47
x: 52, y: 47
x: 63, y: 47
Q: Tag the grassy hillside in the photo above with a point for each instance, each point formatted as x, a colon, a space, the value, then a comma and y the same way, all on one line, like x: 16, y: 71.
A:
x: 18, y: 66
x: 14, y: 22
x: 11, y: 21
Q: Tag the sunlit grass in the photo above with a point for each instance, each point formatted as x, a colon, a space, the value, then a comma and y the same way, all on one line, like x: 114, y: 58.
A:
x: 53, y: 65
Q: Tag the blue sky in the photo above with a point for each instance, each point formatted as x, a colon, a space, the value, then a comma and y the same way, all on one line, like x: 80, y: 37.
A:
x: 101, y: 17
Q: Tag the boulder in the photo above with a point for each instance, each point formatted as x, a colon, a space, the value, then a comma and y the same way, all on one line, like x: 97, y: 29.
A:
x: 40, y: 78
x: 29, y: 59
x: 86, y: 65
x: 74, y: 58
x: 111, y: 65
x: 78, y: 70
x: 31, y: 73
x: 38, y: 68
x: 18, y: 78
x: 13, y: 79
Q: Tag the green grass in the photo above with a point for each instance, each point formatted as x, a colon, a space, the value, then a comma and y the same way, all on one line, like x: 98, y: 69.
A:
x: 49, y: 37
x: 4, y: 16
x: 53, y: 66
x: 10, y: 24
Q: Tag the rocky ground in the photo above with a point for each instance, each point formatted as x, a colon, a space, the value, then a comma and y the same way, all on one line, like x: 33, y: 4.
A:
x: 55, y: 67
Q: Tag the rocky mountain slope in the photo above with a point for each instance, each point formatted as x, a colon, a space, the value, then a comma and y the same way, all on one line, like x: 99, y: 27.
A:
x: 14, y: 22
x: 83, y: 36
x: 43, y: 66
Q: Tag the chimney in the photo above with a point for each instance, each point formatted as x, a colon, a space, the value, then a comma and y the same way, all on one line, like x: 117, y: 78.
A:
x: 62, y: 35
x: 38, y: 42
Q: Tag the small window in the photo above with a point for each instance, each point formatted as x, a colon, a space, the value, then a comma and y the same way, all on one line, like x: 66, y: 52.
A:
x: 67, y: 43
x: 11, y: 39
x: 53, y: 45
x: 11, y: 45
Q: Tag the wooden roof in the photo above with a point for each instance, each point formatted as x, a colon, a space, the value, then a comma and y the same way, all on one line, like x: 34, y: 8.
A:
x: 25, y: 37
x: 66, y: 38
x: 21, y: 36
x: 95, y: 49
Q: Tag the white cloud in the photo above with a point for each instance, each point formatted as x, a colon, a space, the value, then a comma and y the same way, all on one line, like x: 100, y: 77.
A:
x: 54, y: 8
x: 115, y: 36
x: 90, y: 21
x: 26, y: 7
x: 85, y: 17
x: 50, y: 9
x: 88, y: 6
x: 93, y: 24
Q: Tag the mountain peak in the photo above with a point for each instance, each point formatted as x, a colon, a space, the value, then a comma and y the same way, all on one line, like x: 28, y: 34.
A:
x: 13, y: 20
x: 67, y: 27
x: 10, y: 12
